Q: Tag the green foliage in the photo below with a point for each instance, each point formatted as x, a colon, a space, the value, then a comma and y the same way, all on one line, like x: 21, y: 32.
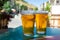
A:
x: 6, y: 6
x: 22, y: 0
x: 2, y: 3
x: 48, y: 6
x: 36, y: 9
x: 20, y: 7
x: 23, y: 7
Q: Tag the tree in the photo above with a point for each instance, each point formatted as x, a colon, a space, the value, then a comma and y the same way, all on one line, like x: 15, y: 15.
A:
x: 2, y: 3
x: 21, y: 7
x: 48, y: 6
x: 6, y: 6
x: 36, y: 9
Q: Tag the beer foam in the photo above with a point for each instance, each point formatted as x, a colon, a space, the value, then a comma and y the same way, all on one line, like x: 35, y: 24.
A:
x: 42, y: 12
x: 33, y: 12
x: 27, y: 12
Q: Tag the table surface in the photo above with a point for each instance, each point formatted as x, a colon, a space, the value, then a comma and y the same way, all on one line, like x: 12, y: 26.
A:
x: 17, y: 34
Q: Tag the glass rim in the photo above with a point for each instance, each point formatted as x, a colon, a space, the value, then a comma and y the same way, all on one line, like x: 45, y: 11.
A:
x: 27, y: 12
x: 33, y: 12
x: 42, y: 12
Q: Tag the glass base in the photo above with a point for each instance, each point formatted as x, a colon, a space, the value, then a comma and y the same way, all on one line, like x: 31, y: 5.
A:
x: 27, y: 34
x: 30, y: 35
x: 36, y: 36
x: 41, y: 32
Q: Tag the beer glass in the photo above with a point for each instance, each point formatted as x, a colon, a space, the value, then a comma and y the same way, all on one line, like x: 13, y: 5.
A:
x: 41, y: 21
x: 28, y: 22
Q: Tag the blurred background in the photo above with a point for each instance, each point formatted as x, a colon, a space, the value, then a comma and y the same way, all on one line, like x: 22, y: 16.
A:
x: 12, y: 9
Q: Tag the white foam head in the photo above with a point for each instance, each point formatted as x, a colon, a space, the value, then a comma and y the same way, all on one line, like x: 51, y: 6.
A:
x: 42, y: 12
x: 34, y: 12
x: 27, y: 12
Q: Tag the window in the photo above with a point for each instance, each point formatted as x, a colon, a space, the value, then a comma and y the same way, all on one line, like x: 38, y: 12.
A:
x: 57, y: 1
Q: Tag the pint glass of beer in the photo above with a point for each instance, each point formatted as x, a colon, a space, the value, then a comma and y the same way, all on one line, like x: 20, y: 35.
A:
x: 41, y: 21
x: 28, y: 22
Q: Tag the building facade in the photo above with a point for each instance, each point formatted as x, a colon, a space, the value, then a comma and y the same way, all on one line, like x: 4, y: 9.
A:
x: 54, y: 2
x: 29, y: 6
x: 55, y: 13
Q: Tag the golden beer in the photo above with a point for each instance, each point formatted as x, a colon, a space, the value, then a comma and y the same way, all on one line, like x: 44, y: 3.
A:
x: 28, y: 23
x: 41, y: 22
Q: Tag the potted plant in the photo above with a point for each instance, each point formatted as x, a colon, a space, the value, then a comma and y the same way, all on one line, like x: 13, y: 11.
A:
x: 5, y: 16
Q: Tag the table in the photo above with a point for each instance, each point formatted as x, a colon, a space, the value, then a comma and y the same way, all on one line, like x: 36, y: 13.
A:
x: 17, y: 34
